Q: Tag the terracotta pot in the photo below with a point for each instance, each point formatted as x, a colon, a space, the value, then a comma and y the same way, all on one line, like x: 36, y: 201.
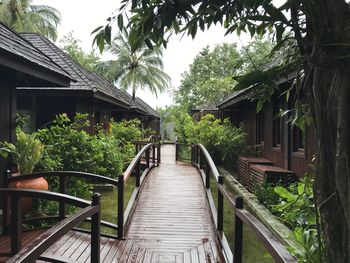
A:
x: 35, y: 184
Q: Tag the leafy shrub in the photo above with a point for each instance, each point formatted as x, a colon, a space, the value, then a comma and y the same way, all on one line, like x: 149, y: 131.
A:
x: 266, y: 195
x: 69, y: 147
x: 295, y: 206
x: 224, y: 141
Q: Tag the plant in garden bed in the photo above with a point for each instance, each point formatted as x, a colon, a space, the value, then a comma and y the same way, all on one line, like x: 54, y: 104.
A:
x: 295, y: 206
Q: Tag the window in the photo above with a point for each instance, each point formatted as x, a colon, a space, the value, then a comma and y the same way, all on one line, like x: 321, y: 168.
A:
x: 276, y: 125
x: 260, y: 127
x: 298, y: 139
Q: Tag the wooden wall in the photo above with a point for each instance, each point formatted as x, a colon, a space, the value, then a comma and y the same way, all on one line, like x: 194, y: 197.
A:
x: 244, y: 113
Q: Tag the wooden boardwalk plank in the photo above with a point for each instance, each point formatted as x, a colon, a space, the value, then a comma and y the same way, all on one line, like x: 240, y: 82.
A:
x: 172, y: 220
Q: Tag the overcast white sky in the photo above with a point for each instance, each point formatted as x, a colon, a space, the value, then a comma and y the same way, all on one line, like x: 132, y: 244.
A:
x: 83, y: 16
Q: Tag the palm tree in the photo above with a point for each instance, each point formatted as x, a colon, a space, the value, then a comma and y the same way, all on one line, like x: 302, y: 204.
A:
x: 22, y: 16
x: 139, y: 69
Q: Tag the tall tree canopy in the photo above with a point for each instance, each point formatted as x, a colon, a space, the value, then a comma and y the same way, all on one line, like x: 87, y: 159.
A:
x: 320, y: 30
x: 138, y: 69
x: 23, y: 16
x: 209, y: 78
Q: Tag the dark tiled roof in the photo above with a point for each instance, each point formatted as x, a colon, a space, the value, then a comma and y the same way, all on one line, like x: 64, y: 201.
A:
x: 85, y: 80
x: 139, y: 104
x: 147, y: 108
x: 235, y: 97
x: 15, y: 44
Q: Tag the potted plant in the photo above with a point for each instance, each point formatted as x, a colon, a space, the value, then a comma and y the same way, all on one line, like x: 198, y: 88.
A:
x: 26, y: 153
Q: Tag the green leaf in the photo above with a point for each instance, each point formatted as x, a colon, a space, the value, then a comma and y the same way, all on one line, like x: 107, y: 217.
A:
x: 250, y: 79
x: 275, y: 13
x: 159, y: 22
x: 108, y: 34
x: 120, y: 21
x: 301, y: 188
x: 279, y: 33
x: 148, y: 44
x: 96, y: 29
x: 284, y: 193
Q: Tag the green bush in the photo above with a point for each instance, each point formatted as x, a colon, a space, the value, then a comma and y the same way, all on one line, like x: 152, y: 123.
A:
x: 69, y: 147
x: 223, y: 141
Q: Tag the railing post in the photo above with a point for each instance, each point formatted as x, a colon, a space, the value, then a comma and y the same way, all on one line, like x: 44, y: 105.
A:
x: 120, y: 206
x: 238, y: 245
x: 16, y: 228
x: 147, y: 158
x: 62, y: 190
x: 5, y: 207
x: 154, y: 153
x: 195, y: 155
x: 95, y: 230
x: 176, y: 151
x: 138, y: 173
x: 220, y: 214
x: 192, y: 154
x: 158, y: 153
x: 207, y: 175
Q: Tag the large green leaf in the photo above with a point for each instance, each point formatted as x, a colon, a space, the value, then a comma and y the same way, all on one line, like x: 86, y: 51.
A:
x: 284, y: 193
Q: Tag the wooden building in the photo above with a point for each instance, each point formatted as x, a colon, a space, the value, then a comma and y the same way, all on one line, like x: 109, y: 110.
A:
x: 89, y: 93
x: 271, y: 137
x: 21, y: 64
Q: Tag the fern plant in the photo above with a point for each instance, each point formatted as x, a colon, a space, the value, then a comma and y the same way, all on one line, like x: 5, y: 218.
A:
x: 26, y: 151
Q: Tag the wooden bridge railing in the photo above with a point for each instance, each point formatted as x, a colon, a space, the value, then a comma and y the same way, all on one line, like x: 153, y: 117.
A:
x: 36, y: 248
x: 203, y: 162
x: 151, y: 154
x: 62, y: 176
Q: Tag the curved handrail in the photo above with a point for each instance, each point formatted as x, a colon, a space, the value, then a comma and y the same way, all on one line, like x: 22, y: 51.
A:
x: 63, y: 175
x: 51, y: 196
x: 270, y: 242
x: 136, y: 161
x: 35, y: 249
x: 89, y: 176
x: 210, y: 161
x: 153, y: 138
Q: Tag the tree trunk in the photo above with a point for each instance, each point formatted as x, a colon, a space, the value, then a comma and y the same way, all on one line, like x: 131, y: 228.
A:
x: 331, y: 108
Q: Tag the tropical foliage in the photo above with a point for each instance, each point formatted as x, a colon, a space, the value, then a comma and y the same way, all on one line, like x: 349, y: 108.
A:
x: 209, y: 79
x: 138, y: 69
x: 315, y: 35
x: 223, y: 141
x: 295, y: 206
x: 26, y: 151
x: 69, y: 147
x: 23, y: 16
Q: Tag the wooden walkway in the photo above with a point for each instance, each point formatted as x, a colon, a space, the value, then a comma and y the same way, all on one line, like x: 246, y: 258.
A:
x: 171, y: 223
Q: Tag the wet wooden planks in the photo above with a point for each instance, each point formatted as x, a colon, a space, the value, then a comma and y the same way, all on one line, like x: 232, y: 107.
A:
x: 171, y: 221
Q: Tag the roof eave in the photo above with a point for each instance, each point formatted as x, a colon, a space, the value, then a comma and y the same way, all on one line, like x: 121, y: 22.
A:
x: 22, y: 65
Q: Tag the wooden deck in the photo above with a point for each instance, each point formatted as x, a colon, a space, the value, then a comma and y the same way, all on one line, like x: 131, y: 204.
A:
x: 171, y: 223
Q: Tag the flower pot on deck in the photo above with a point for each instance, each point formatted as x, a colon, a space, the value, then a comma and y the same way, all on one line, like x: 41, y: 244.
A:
x: 34, y: 184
